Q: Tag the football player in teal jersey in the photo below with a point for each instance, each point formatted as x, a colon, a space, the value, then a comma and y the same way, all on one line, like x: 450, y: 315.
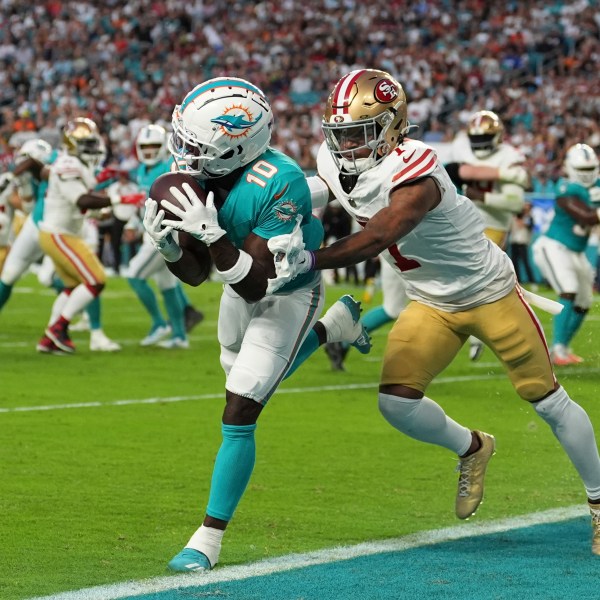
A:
x: 151, y: 148
x: 560, y: 252
x: 221, y: 135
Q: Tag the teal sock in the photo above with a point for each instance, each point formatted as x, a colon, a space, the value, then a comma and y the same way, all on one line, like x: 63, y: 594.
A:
x: 560, y: 324
x: 375, y: 318
x: 5, y: 292
x: 94, y: 313
x: 575, y: 323
x: 185, y: 301
x: 175, y: 311
x: 309, y: 346
x: 233, y: 466
x: 148, y: 299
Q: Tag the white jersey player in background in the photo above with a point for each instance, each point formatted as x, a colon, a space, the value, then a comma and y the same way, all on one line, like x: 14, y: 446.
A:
x: 71, y: 179
x: 491, y: 173
x: 459, y: 282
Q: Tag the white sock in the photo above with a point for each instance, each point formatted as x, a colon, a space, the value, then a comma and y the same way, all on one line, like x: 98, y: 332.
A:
x: 573, y: 429
x: 57, y: 307
x: 426, y: 421
x: 80, y: 297
x: 208, y: 541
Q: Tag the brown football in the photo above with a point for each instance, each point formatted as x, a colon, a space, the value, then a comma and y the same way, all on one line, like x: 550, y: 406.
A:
x: 161, y: 190
x: 201, y: 254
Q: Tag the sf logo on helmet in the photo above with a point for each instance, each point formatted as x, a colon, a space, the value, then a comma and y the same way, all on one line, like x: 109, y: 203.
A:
x: 385, y: 91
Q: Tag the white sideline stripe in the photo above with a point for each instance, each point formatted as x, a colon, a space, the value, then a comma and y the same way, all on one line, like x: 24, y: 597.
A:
x: 321, y: 557
x: 298, y: 390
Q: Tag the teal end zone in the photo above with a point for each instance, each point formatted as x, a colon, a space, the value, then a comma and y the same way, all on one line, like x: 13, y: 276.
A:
x: 542, y: 562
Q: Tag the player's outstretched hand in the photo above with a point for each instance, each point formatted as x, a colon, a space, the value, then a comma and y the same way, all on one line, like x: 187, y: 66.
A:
x: 291, y: 259
x: 198, y: 219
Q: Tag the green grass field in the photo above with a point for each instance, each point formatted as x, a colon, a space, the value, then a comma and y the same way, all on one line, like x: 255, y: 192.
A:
x: 106, y: 458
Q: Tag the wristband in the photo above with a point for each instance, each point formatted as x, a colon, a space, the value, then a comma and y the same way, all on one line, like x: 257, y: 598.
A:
x: 238, y: 271
x: 170, y: 249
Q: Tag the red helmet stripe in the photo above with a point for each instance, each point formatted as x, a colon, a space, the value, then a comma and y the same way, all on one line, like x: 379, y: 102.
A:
x: 341, y: 94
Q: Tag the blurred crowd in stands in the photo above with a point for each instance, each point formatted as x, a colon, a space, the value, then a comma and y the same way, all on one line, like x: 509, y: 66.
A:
x: 125, y: 64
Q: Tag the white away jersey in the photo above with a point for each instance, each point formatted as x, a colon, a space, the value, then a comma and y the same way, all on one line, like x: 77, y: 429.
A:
x: 69, y: 179
x: 446, y: 260
x: 505, y: 156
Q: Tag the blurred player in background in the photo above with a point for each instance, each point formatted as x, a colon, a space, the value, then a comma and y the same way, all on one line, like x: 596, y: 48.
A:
x: 560, y: 252
x: 71, y: 177
x: 221, y: 135
x: 492, y: 174
x: 26, y: 249
x: 460, y: 283
x: 151, y: 149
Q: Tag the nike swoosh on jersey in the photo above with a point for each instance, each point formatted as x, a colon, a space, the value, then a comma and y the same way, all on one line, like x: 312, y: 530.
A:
x: 407, y: 158
x: 282, y: 192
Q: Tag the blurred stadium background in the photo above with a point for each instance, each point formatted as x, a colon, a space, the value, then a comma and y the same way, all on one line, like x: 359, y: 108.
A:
x: 99, y: 496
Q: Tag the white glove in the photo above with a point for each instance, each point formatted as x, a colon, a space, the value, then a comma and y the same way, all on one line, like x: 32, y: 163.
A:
x: 161, y: 236
x: 291, y: 259
x: 198, y: 219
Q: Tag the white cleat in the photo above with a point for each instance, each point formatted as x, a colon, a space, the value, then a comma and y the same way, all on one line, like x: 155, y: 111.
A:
x: 476, y: 348
x: 174, y: 343
x: 99, y: 342
x: 342, y: 323
x: 156, y: 335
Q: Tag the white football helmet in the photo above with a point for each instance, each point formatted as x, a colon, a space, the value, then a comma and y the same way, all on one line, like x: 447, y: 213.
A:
x: 37, y: 149
x: 151, y: 144
x: 366, y: 114
x: 221, y: 125
x: 485, y: 131
x: 582, y: 165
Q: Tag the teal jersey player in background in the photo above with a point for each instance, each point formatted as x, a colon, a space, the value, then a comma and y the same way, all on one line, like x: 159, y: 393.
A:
x: 560, y: 252
x: 151, y: 147
x: 221, y: 133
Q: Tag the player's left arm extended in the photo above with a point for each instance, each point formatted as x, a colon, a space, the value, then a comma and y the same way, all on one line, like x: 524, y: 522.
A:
x: 583, y: 214
x: 409, y: 203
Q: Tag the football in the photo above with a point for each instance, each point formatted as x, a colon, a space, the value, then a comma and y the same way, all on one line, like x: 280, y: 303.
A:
x: 160, y: 190
x: 201, y: 254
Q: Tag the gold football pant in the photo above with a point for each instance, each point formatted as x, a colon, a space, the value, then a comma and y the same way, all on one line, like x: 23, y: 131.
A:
x: 425, y: 340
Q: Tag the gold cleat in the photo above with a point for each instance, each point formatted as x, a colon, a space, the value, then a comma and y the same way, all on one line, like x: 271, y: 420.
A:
x: 472, y: 472
x: 595, y: 512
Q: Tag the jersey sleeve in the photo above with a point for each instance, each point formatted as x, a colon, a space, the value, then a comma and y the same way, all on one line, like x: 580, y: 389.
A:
x: 565, y: 188
x: 285, y: 198
x: 412, y: 163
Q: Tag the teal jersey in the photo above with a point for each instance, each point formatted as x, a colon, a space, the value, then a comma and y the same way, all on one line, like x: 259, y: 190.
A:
x: 145, y: 175
x: 563, y: 228
x: 39, y: 192
x: 265, y: 200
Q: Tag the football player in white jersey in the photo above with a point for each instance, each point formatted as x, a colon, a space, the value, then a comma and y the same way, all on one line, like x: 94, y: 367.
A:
x: 458, y: 281
x: 492, y: 173
x: 71, y: 177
